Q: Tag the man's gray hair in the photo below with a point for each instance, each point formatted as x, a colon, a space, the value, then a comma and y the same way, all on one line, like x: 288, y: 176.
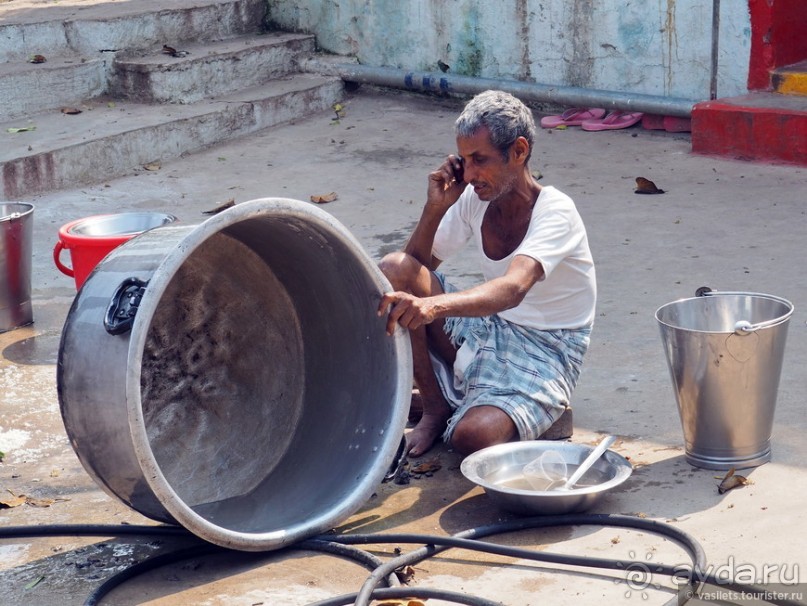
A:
x: 505, y: 117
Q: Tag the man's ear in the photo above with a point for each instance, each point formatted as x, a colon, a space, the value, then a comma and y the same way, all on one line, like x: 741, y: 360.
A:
x: 520, y: 150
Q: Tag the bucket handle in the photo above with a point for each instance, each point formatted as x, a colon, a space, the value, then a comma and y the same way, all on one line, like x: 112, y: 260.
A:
x: 57, y: 253
x: 744, y: 327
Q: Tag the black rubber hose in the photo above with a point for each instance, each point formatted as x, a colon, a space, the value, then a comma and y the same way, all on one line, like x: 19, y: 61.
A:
x: 530, y: 554
x: 360, y: 556
x: 682, y: 538
x: 146, y: 565
x: 385, y: 571
x: 341, y: 549
x: 462, y: 539
x: 90, y: 530
x: 339, y: 545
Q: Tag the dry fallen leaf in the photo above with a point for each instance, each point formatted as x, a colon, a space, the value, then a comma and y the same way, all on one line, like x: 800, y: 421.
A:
x: 405, y: 574
x: 39, y: 502
x: 427, y: 466
x: 646, y: 186
x: 35, y: 582
x: 169, y: 50
x: 730, y: 480
x: 17, y: 500
x: 324, y: 198
x: 339, y: 109
x: 220, y: 207
x: 13, y: 500
x: 71, y: 111
x: 152, y: 166
x: 20, y: 129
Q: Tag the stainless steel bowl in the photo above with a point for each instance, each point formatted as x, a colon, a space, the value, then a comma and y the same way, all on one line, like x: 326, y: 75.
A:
x: 498, y: 469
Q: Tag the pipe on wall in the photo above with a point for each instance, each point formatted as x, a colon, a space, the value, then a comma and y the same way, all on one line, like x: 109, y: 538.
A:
x: 569, y: 96
x: 715, y: 48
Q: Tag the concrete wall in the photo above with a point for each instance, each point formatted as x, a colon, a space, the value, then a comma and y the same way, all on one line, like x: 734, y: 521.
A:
x: 656, y: 47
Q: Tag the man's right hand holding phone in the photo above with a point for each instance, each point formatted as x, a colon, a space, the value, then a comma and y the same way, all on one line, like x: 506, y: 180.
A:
x: 446, y: 183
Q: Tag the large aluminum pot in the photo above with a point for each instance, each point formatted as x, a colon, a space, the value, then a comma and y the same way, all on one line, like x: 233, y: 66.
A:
x: 234, y: 377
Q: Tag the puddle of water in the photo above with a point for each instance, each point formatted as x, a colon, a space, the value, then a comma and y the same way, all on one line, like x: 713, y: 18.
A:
x: 41, y: 349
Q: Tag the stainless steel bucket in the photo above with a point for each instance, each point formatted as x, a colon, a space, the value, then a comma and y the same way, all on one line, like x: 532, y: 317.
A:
x: 234, y: 377
x: 16, y: 239
x: 725, y: 351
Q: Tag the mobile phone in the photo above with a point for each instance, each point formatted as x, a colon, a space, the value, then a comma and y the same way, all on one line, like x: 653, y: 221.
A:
x: 459, y: 175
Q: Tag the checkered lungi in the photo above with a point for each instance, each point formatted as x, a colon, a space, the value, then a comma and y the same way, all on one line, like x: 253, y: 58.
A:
x: 528, y: 373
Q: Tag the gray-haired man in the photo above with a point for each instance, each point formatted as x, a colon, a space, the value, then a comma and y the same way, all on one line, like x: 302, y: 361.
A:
x: 496, y: 362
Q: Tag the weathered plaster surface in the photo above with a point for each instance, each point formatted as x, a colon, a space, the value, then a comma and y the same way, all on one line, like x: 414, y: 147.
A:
x: 658, y: 47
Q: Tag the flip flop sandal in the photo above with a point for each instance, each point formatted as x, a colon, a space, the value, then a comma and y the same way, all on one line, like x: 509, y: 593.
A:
x: 572, y: 117
x: 613, y: 121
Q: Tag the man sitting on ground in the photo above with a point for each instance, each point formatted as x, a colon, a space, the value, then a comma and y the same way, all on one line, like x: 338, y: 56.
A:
x: 496, y: 362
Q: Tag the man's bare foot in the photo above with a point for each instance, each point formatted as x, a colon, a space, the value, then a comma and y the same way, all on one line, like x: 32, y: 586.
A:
x: 428, y: 430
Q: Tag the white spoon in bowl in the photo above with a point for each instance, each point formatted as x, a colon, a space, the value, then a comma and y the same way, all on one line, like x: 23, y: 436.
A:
x: 590, y: 460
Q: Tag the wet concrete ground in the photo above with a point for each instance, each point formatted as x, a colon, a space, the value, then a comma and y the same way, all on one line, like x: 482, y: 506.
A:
x: 722, y: 223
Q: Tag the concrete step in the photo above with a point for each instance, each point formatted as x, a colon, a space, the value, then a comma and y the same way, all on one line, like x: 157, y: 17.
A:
x: 760, y: 126
x: 79, y: 44
x: 27, y: 88
x: 28, y: 27
x: 791, y: 79
x: 114, y: 138
x: 202, y: 70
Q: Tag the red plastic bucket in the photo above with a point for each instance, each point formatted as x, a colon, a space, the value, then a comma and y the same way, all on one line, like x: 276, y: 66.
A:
x: 91, y: 239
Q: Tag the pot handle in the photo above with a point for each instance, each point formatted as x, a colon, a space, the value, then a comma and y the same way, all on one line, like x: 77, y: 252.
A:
x: 123, y: 305
x: 57, y: 252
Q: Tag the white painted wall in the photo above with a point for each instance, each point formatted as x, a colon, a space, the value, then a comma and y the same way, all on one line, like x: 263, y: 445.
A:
x: 656, y: 47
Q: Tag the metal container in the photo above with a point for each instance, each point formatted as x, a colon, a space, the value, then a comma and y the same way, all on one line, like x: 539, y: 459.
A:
x: 234, y: 377
x: 16, y: 240
x: 499, y: 470
x: 725, y: 351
